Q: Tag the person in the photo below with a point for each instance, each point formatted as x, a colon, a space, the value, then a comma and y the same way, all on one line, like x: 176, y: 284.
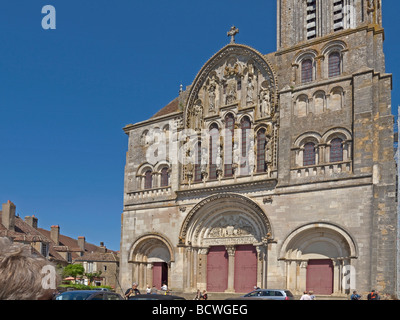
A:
x: 134, y: 291
x: 373, y: 295
x: 312, y: 296
x: 164, y: 288
x: 148, y: 289
x: 305, y: 296
x: 355, y: 296
x: 198, y: 295
x: 154, y: 290
x: 204, y: 296
x: 25, y: 275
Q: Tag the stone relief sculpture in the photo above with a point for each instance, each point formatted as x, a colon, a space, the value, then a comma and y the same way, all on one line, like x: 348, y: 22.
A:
x: 231, y: 92
x: 265, y: 103
x: 212, y: 92
x: 197, y: 116
x: 250, y: 91
x: 237, y: 79
x: 233, y: 227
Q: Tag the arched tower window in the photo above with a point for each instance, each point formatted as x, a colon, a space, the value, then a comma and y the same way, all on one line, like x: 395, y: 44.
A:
x: 334, y: 64
x: 164, y: 177
x: 148, y: 180
x: 309, y: 154
x: 336, y: 150
x: 306, y: 71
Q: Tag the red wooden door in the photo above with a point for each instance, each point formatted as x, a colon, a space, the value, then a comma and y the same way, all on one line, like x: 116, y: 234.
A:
x: 217, y: 269
x: 160, y: 274
x: 320, y: 276
x: 245, y: 268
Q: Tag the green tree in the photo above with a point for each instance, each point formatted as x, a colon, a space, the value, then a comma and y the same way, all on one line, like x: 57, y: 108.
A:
x: 92, y: 275
x: 73, y: 270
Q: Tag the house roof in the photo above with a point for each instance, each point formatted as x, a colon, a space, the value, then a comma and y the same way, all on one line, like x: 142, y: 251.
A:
x: 23, y: 232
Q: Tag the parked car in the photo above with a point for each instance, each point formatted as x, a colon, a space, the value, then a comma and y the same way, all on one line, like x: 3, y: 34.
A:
x: 155, y: 297
x: 267, y: 294
x: 88, y: 295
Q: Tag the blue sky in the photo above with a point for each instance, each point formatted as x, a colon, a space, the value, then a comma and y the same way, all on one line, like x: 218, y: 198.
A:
x: 66, y: 94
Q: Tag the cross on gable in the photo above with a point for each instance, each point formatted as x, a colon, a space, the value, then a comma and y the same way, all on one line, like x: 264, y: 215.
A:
x: 232, y: 33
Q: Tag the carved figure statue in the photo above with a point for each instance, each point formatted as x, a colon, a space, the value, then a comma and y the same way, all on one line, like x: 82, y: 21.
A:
x: 265, y: 105
x: 250, y: 90
x: 197, y: 116
x: 231, y: 92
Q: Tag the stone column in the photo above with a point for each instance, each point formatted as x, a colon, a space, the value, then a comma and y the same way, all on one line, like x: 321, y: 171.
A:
x: 302, y: 278
x: 231, y: 268
x: 337, y: 276
x: 202, y: 268
x: 149, y: 273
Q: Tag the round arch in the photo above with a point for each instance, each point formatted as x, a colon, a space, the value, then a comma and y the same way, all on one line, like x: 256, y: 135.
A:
x: 151, y: 247
x: 225, y: 217
x: 305, y: 240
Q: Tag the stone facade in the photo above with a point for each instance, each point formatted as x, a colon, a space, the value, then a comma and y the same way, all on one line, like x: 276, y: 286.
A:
x: 283, y: 158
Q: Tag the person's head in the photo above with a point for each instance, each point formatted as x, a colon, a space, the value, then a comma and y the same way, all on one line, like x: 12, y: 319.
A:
x: 134, y: 285
x: 24, y: 275
x: 305, y: 292
x: 354, y: 291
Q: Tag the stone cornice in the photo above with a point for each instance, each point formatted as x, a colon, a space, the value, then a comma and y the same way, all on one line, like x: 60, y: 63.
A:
x: 374, y: 28
x: 207, y: 190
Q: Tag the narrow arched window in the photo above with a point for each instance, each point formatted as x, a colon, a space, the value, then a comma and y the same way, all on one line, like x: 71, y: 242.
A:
x: 309, y: 154
x: 214, y: 136
x: 197, y: 166
x: 306, y: 71
x: 336, y: 151
x: 261, y: 150
x: 164, y: 177
x: 334, y: 64
x: 245, y: 126
x: 228, y: 145
x: 148, y: 180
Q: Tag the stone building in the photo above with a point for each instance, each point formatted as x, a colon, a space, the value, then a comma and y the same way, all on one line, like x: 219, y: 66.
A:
x: 273, y: 170
x: 59, y: 248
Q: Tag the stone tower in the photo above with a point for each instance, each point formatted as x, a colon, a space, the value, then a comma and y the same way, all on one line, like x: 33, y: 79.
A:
x: 339, y: 44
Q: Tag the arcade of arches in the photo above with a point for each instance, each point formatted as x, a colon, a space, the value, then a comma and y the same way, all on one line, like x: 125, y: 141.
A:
x: 224, y: 246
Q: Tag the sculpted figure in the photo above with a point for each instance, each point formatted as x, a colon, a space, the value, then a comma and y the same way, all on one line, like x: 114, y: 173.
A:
x: 265, y: 105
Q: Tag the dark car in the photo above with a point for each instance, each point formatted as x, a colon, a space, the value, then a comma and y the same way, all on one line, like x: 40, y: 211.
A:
x: 155, y: 297
x: 88, y: 295
x: 267, y: 294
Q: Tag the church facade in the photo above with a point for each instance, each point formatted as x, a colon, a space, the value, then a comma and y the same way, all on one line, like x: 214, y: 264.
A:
x: 272, y: 170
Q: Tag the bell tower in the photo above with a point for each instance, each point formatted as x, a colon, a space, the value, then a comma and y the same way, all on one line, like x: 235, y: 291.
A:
x: 304, y: 20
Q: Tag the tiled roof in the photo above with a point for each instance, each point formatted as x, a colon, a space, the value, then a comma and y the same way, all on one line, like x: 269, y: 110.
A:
x: 23, y: 232
x: 99, y: 256
x: 171, y: 107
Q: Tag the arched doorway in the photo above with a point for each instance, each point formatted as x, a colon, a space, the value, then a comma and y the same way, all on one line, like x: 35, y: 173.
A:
x: 151, y: 257
x: 317, y: 256
x: 226, y: 237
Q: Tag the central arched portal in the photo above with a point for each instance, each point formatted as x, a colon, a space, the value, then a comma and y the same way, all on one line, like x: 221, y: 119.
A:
x: 226, y: 238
